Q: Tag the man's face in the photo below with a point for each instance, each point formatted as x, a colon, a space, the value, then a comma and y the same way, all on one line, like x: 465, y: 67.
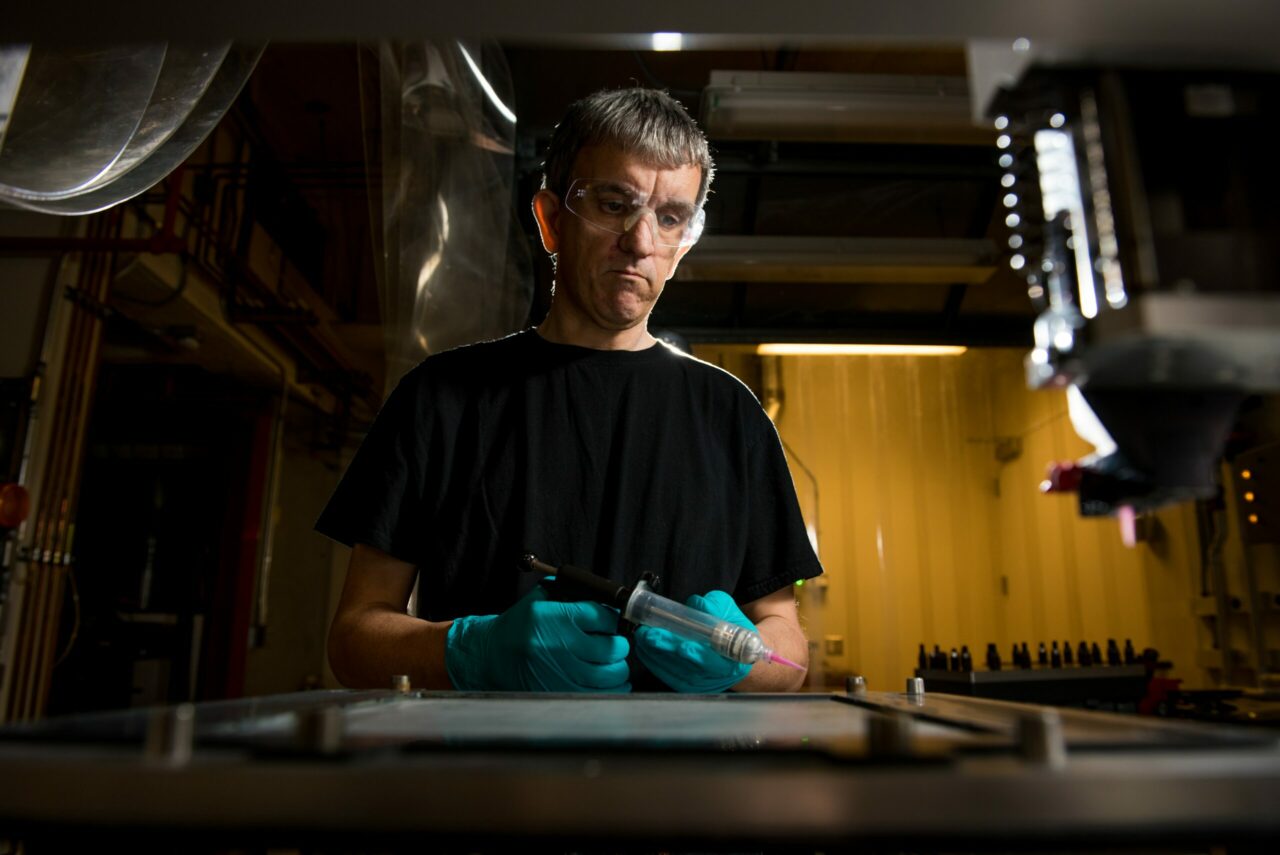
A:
x: 609, y: 281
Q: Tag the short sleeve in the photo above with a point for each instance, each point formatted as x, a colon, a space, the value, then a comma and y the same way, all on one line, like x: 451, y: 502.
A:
x: 778, y: 549
x: 379, y: 500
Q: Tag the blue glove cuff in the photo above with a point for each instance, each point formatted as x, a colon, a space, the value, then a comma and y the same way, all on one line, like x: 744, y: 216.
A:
x: 464, y: 652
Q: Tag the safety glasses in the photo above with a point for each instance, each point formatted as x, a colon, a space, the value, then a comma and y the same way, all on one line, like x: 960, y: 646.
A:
x: 618, y: 208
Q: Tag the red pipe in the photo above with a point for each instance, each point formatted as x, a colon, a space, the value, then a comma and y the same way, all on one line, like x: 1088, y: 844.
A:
x: 163, y: 242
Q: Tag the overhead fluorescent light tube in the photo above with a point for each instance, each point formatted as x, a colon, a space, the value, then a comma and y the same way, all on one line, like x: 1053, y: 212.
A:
x: 796, y: 349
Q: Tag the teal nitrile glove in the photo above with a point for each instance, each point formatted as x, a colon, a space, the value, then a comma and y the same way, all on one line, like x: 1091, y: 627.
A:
x: 539, y: 645
x: 691, y: 666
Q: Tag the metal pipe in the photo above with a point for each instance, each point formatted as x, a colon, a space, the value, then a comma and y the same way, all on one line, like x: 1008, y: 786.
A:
x: 88, y: 371
x: 62, y: 490
x: 51, y: 499
x: 770, y: 387
x: 25, y: 581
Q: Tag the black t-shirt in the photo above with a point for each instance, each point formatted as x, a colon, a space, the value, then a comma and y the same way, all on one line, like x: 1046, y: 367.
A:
x: 621, y: 462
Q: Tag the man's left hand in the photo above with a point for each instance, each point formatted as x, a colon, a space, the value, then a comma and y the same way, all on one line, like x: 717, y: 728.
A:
x: 690, y: 666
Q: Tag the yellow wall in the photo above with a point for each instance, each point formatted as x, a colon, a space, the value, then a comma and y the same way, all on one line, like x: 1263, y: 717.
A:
x: 927, y: 537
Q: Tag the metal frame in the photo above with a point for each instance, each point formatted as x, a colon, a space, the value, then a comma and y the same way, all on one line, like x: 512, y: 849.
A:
x: 999, y: 774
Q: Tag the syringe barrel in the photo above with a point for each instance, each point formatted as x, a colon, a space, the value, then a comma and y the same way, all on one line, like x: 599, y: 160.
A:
x: 728, y: 639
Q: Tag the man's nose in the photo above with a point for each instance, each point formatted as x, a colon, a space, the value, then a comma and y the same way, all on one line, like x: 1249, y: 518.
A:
x: 638, y: 235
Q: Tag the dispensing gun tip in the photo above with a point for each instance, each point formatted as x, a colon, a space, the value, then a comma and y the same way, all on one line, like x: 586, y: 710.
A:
x: 782, y: 660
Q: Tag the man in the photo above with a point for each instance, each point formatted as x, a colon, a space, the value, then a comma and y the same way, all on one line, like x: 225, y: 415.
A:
x: 584, y: 441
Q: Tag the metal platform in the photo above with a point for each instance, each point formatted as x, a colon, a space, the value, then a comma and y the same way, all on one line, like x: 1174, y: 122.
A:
x: 385, y: 770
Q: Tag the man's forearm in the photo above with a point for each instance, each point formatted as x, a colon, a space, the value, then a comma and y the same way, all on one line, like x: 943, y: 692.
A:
x: 369, y: 647
x: 784, y: 638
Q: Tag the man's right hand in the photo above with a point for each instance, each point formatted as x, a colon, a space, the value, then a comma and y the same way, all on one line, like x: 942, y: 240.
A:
x: 539, y: 645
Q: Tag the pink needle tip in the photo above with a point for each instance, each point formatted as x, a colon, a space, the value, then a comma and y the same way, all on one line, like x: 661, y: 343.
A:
x: 782, y: 660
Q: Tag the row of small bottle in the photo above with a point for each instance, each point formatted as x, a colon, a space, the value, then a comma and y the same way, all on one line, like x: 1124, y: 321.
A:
x: 1086, y: 655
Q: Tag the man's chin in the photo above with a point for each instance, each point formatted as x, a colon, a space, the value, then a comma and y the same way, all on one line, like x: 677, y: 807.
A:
x: 620, y: 318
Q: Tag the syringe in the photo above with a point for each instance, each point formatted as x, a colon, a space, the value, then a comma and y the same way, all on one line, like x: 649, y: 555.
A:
x: 724, y: 637
x: 641, y: 605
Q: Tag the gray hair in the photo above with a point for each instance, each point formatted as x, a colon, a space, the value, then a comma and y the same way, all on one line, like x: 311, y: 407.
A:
x: 647, y: 123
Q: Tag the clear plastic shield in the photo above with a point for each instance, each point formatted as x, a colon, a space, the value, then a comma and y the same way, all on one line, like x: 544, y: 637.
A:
x: 455, y: 266
x: 75, y: 113
x: 213, y: 102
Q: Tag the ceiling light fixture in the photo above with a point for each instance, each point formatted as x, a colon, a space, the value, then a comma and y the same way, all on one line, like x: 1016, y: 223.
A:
x: 797, y: 349
x: 667, y: 41
x: 823, y: 106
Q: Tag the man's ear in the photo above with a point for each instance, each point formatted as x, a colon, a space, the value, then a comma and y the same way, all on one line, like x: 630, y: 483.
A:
x: 546, y: 210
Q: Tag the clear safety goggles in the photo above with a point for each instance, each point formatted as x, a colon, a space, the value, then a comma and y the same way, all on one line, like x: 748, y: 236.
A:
x: 617, y: 208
